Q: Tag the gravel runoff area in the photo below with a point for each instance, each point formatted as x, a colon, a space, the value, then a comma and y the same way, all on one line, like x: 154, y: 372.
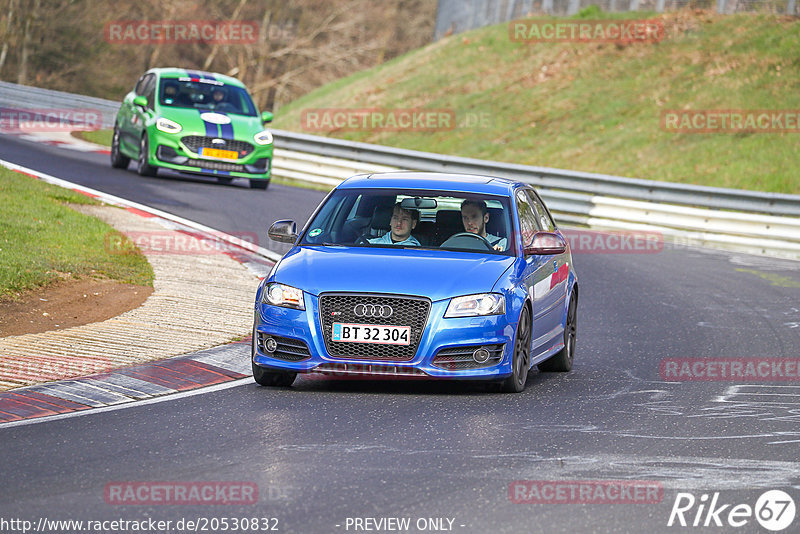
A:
x: 202, y: 298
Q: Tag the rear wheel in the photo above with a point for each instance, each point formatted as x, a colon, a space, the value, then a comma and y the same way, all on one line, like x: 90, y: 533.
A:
x: 145, y: 169
x: 266, y: 377
x: 520, y: 362
x: 259, y: 184
x: 562, y: 361
x: 118, y: 159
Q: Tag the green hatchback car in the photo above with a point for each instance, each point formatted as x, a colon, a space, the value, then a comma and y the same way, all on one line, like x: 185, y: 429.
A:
x: 193, y: 122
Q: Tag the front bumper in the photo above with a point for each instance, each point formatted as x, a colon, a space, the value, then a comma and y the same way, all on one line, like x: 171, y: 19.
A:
x: 300, y: 345
x: 168, y: 151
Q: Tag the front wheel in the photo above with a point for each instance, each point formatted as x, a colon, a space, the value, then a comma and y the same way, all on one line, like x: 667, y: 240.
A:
x: 561, y: 362
x: 520, y: 362
x: 145, y: 169
x: 118, y: 159
x: 266, y: 377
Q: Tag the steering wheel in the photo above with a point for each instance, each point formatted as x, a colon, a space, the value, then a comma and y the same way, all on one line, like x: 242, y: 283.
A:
x: 361, y: 240
x: 482, y: 240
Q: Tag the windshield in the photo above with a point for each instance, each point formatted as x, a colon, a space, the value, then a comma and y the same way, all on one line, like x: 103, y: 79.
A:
x: 205, y: 95
x: 418, y: 219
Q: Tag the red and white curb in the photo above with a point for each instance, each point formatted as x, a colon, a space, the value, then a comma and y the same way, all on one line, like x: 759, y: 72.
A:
x: 210, y: 367
x: 224, y: 364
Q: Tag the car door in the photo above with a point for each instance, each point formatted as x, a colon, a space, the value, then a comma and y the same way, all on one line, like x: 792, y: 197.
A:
x: 550, y: 302
x: 536, y: 275
x: 130, y: 116
x: 142, y: 115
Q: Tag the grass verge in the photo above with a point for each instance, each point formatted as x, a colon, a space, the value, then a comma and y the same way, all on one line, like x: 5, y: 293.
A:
x: 593, y: 106
x: 42, y: 239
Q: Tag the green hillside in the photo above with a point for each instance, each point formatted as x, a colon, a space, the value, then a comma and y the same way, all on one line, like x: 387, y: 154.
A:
x: 593, y: 106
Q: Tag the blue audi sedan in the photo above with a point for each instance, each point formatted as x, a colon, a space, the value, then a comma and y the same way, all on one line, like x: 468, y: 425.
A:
x: 411, y: 274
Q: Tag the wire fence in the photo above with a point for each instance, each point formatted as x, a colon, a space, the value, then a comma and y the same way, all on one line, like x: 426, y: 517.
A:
x: 455, y: 16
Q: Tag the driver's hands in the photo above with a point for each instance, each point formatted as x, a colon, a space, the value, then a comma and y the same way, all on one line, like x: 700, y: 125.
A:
x: 498, y: 247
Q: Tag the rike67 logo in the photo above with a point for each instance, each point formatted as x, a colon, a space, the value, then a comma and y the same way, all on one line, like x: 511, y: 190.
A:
x: 774, y: 510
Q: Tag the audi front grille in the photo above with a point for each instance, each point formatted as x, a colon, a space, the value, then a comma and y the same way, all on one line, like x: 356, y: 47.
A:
x: 374, y: 310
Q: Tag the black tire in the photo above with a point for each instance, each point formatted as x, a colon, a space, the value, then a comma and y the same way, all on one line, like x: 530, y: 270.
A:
x: 145, y: 169
x: 118, y: 159
x: 266, y: 377
x: 259, y: 184
x: 224, y: 180
x: 561, y: 362
x: 521, y: 360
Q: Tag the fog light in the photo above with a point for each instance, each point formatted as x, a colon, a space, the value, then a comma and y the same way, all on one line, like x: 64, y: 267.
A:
x: 270, y: 344
x: 481, y: 355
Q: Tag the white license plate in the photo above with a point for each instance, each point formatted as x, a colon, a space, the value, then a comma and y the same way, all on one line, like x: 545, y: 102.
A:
x: 372, y: 333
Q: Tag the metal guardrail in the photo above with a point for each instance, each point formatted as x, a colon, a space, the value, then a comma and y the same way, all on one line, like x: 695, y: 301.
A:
x: 697, y: 214
x: 546, y: 178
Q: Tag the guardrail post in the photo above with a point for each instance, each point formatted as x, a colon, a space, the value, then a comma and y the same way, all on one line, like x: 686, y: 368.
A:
x: 547, y: 6
x: 790, y: 8
x: 634, y: 5
x: 612, y: 5
x: 527, y: 7
x: 660, y: 6
x: 573, y: 7
x: 722, y: 6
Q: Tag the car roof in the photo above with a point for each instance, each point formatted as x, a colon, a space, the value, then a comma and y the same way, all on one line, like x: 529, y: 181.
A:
x: 435, y: 181
x: 174, y: 72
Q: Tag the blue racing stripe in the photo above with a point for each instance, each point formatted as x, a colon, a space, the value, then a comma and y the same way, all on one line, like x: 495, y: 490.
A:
x: 211, y: 129
x: 226, y: 130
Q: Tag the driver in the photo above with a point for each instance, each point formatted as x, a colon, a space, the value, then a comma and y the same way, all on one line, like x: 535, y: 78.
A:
x: 403, y: 221
x: 218, y: 95
x: 474, y: 215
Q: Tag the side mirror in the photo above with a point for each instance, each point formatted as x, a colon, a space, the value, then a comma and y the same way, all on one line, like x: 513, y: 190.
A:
x: 284, y: 231
x: 266, y: 116
x: 546, y: 243
x: 140, y: 101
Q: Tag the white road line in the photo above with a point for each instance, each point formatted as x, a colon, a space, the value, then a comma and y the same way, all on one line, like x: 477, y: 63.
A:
x: 165, y: 398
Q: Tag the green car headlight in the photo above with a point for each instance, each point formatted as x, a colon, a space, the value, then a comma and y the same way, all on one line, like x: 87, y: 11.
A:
x: 476, y: 305
x: 168, y: 126
x: 263, y: 138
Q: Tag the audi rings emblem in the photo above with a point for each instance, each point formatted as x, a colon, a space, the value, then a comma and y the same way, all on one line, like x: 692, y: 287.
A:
x: 379, y: 311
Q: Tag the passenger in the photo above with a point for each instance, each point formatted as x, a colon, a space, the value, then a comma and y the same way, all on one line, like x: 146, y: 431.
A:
x: 474, y: 216
x: 402, y: 223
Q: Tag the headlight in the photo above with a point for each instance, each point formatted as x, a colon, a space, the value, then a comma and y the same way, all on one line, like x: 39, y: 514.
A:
x: 263, y: 138
x: 476, y: 305
x: 168, y: 126
x: 281, y: 295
